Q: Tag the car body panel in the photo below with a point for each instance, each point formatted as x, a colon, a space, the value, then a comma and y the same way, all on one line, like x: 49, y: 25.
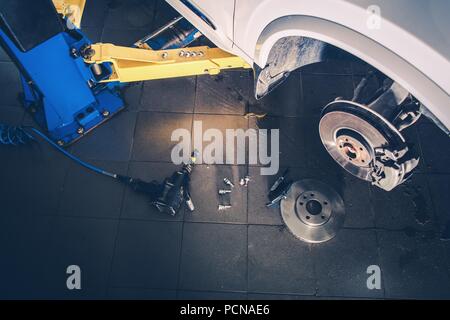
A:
x: 409, y: 42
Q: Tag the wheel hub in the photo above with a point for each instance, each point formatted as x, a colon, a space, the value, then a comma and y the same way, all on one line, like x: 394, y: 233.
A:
x: 354, y: 147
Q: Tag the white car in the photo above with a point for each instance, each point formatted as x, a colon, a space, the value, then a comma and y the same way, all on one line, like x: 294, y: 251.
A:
x: 408, y: 41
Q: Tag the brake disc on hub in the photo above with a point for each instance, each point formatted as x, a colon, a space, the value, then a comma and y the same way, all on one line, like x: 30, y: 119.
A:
x: 313, y: 211
x: 366, y: 139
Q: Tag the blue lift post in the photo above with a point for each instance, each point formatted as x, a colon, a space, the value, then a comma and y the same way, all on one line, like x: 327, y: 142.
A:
x: 63, y: 93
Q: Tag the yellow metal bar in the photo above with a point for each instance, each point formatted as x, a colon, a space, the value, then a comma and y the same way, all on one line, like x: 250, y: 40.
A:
x: 71, y: 9
x: 133, y: 64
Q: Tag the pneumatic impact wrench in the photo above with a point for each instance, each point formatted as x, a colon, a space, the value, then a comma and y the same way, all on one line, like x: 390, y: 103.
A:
x: 169, y: 196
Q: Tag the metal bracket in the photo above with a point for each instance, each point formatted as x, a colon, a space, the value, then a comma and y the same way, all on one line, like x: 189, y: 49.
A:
x: 134, y: 64
x: 72, y: 10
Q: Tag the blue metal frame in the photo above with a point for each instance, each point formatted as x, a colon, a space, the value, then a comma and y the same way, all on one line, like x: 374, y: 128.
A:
x: 60, y: 89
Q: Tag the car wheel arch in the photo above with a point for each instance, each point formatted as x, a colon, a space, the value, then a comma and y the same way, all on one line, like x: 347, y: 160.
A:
x: 423, y: 88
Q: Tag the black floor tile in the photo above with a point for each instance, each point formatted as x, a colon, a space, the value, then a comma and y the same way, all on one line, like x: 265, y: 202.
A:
x: 414, y: 267
x: 147, y: 255
x: 440, y: 189
x: 112, y: 141
x: 226, y: 93
x: 11, y: 116
x: 169, y: 95
x: 24, y: 261
x: 4, y: 56
x: 407, y: 206
x: 433, y: 142
x: 132, y: 94
x: 341, y: 264
x: 141, y: 294
x: 278, y: 263
x: 136, y: 205
x: 212, y: 295
x: 220, y: 124
x: 152, y: 139
x: 87, y: 243
x: 206, y: 181
x: 95, y: 14
x: 214, y: 257
x: 358, y: 204
x: 88, y: 194
x: 32, y: 179
x: 131, y: 14
x: 291, y: 140
x: 320, y: 90
x: 94, y: 34
x: 10, y: 84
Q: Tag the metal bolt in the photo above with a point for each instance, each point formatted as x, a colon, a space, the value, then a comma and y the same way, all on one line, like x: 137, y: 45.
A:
x: 182, y: 53
x: 201, y: 53
x: 228, y: 182
x: 187, y: 54
x: 165, y: 55
x: 105, y: 113
x: 223, y: 207
x: 60, y: 143
x: 244, y: 181
x: 222, y: 192
x: 80, y: 130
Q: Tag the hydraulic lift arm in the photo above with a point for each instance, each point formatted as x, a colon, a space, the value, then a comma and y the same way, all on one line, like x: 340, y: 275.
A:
x: 71, y: 85
x: 134, y: 64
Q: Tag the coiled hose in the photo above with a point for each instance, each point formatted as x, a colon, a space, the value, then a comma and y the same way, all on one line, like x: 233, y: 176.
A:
x: 23, y: 135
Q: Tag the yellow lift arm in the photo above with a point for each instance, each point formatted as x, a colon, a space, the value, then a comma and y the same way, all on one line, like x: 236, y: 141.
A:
x: 132, y: 64
x: 140, y: 64
x: 71, y: 9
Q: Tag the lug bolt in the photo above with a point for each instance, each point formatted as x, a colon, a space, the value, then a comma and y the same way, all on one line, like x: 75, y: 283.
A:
x: 244, y: 181
x: 228, y: 182
x: 223, y: 192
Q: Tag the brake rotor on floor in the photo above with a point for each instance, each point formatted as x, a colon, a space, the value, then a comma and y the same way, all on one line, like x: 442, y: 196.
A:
x: 313, y: 211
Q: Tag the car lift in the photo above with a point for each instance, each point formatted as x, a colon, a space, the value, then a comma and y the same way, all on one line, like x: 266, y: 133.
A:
x: 70, y: 85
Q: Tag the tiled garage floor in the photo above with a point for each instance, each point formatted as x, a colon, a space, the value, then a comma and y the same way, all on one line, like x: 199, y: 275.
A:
x: 54, y: 214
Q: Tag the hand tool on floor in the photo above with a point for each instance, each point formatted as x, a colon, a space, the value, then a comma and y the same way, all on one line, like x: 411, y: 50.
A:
x: 167, y: 197
x: 279, y: 190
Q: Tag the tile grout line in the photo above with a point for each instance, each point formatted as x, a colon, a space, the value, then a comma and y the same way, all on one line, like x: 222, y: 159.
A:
x: 180, y: 255
x: 108, y: 279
